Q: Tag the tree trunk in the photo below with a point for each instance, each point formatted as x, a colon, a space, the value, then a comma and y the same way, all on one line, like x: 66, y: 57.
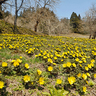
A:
x: 35, y: 28
x: 15, y: 21
x: 16, y: 14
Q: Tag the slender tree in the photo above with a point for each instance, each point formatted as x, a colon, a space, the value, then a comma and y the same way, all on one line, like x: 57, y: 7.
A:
x: 43, y: 4
x: 16, y: 13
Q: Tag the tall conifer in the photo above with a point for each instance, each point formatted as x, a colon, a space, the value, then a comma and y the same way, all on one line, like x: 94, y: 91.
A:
x: 74, y: 22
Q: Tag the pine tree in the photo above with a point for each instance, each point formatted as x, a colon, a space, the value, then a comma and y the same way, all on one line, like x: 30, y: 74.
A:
x: 74, y: 22
x: 79, y: 17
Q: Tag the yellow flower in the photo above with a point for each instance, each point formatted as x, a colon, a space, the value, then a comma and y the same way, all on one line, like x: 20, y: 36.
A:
x: 68, y: 64
x: 64, y: 65
x: 79, y: 75
x: 59, y: 81
x: 19, y: 60
x: 89, y: 66
x: 54, y: 63
x: 87, y: 82
x: 44, y: 57
x: 39, y: 72
x: 88, y: 74
x: 84, y: 76
x: 74, y: 65
x: 50, y: 68
x: 84, y: 89
x: 80, y: 65
x: 20, y: 57
x: 77, y: 59
x: 61, y: 60
x: 84, y: 61
x: 86, y: 68
x: 26, y: 66
x: 55, y: 58
x: 4, y: 64
x: 50, y: 60
x: 92, y: 61
x: 13, y: 61
x: 16, y: 63
x: 26, y: 78
x: 0, y: 72
x: 92, y: 64
x: 94, y: 75
x: 1, y: 84
x: 80, y: 61
x: 32, y: 83
x: 71, y: 80
x: 41, y: 81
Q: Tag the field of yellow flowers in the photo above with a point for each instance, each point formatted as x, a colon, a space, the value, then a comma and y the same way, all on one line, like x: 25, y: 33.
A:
x: 47, y: 66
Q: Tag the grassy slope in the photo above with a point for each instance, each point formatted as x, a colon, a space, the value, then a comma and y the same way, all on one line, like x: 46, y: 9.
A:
x: 7, y: 28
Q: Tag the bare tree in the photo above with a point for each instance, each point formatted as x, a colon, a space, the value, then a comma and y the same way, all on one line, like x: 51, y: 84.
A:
x: 91, y: 20
x: 43, y: 4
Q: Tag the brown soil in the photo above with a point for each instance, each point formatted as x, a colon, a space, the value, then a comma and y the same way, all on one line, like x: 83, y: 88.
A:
x: 75, y: 35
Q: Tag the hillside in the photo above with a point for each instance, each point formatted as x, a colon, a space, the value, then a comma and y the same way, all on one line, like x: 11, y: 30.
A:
x: 7, y: 28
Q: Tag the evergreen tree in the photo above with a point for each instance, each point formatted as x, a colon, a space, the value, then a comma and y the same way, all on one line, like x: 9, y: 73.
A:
x: 79, y: 17
x: 74, y: 22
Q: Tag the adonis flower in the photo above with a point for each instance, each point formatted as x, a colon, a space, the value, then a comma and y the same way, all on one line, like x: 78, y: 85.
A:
x: 39, y: 72
x: 19, y: 60
x: 68, y: 64
x: 1, y: 84
x: 26, y: 66
x: 4, y: 64
x: 26, y: 78
x: 84, y: 76
x: 86, y: 68
x: 50, y: 60
x: 41, y: 81
x: 59, y: 81
x: 89, y: 66
x: 16, y: 63
x: 20, y: 57
x: 64, y: 65
x: 71, y: 80
x: 94, y: 75
x: 88, y: 74
x: 50, y: 68
x: 79, y: 75
x: 84, y: 89
x: 92, y: 61
x: 77, y: 59
x: 74, y: 65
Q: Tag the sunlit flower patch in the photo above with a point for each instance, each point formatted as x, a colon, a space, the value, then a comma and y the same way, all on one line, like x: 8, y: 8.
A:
x: 73, y: 59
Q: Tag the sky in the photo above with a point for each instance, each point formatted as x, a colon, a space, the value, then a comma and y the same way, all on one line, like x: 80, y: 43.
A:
x: 66, y: 7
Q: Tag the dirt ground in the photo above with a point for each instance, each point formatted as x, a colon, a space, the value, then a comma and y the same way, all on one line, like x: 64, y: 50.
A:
x: 75, y: 35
